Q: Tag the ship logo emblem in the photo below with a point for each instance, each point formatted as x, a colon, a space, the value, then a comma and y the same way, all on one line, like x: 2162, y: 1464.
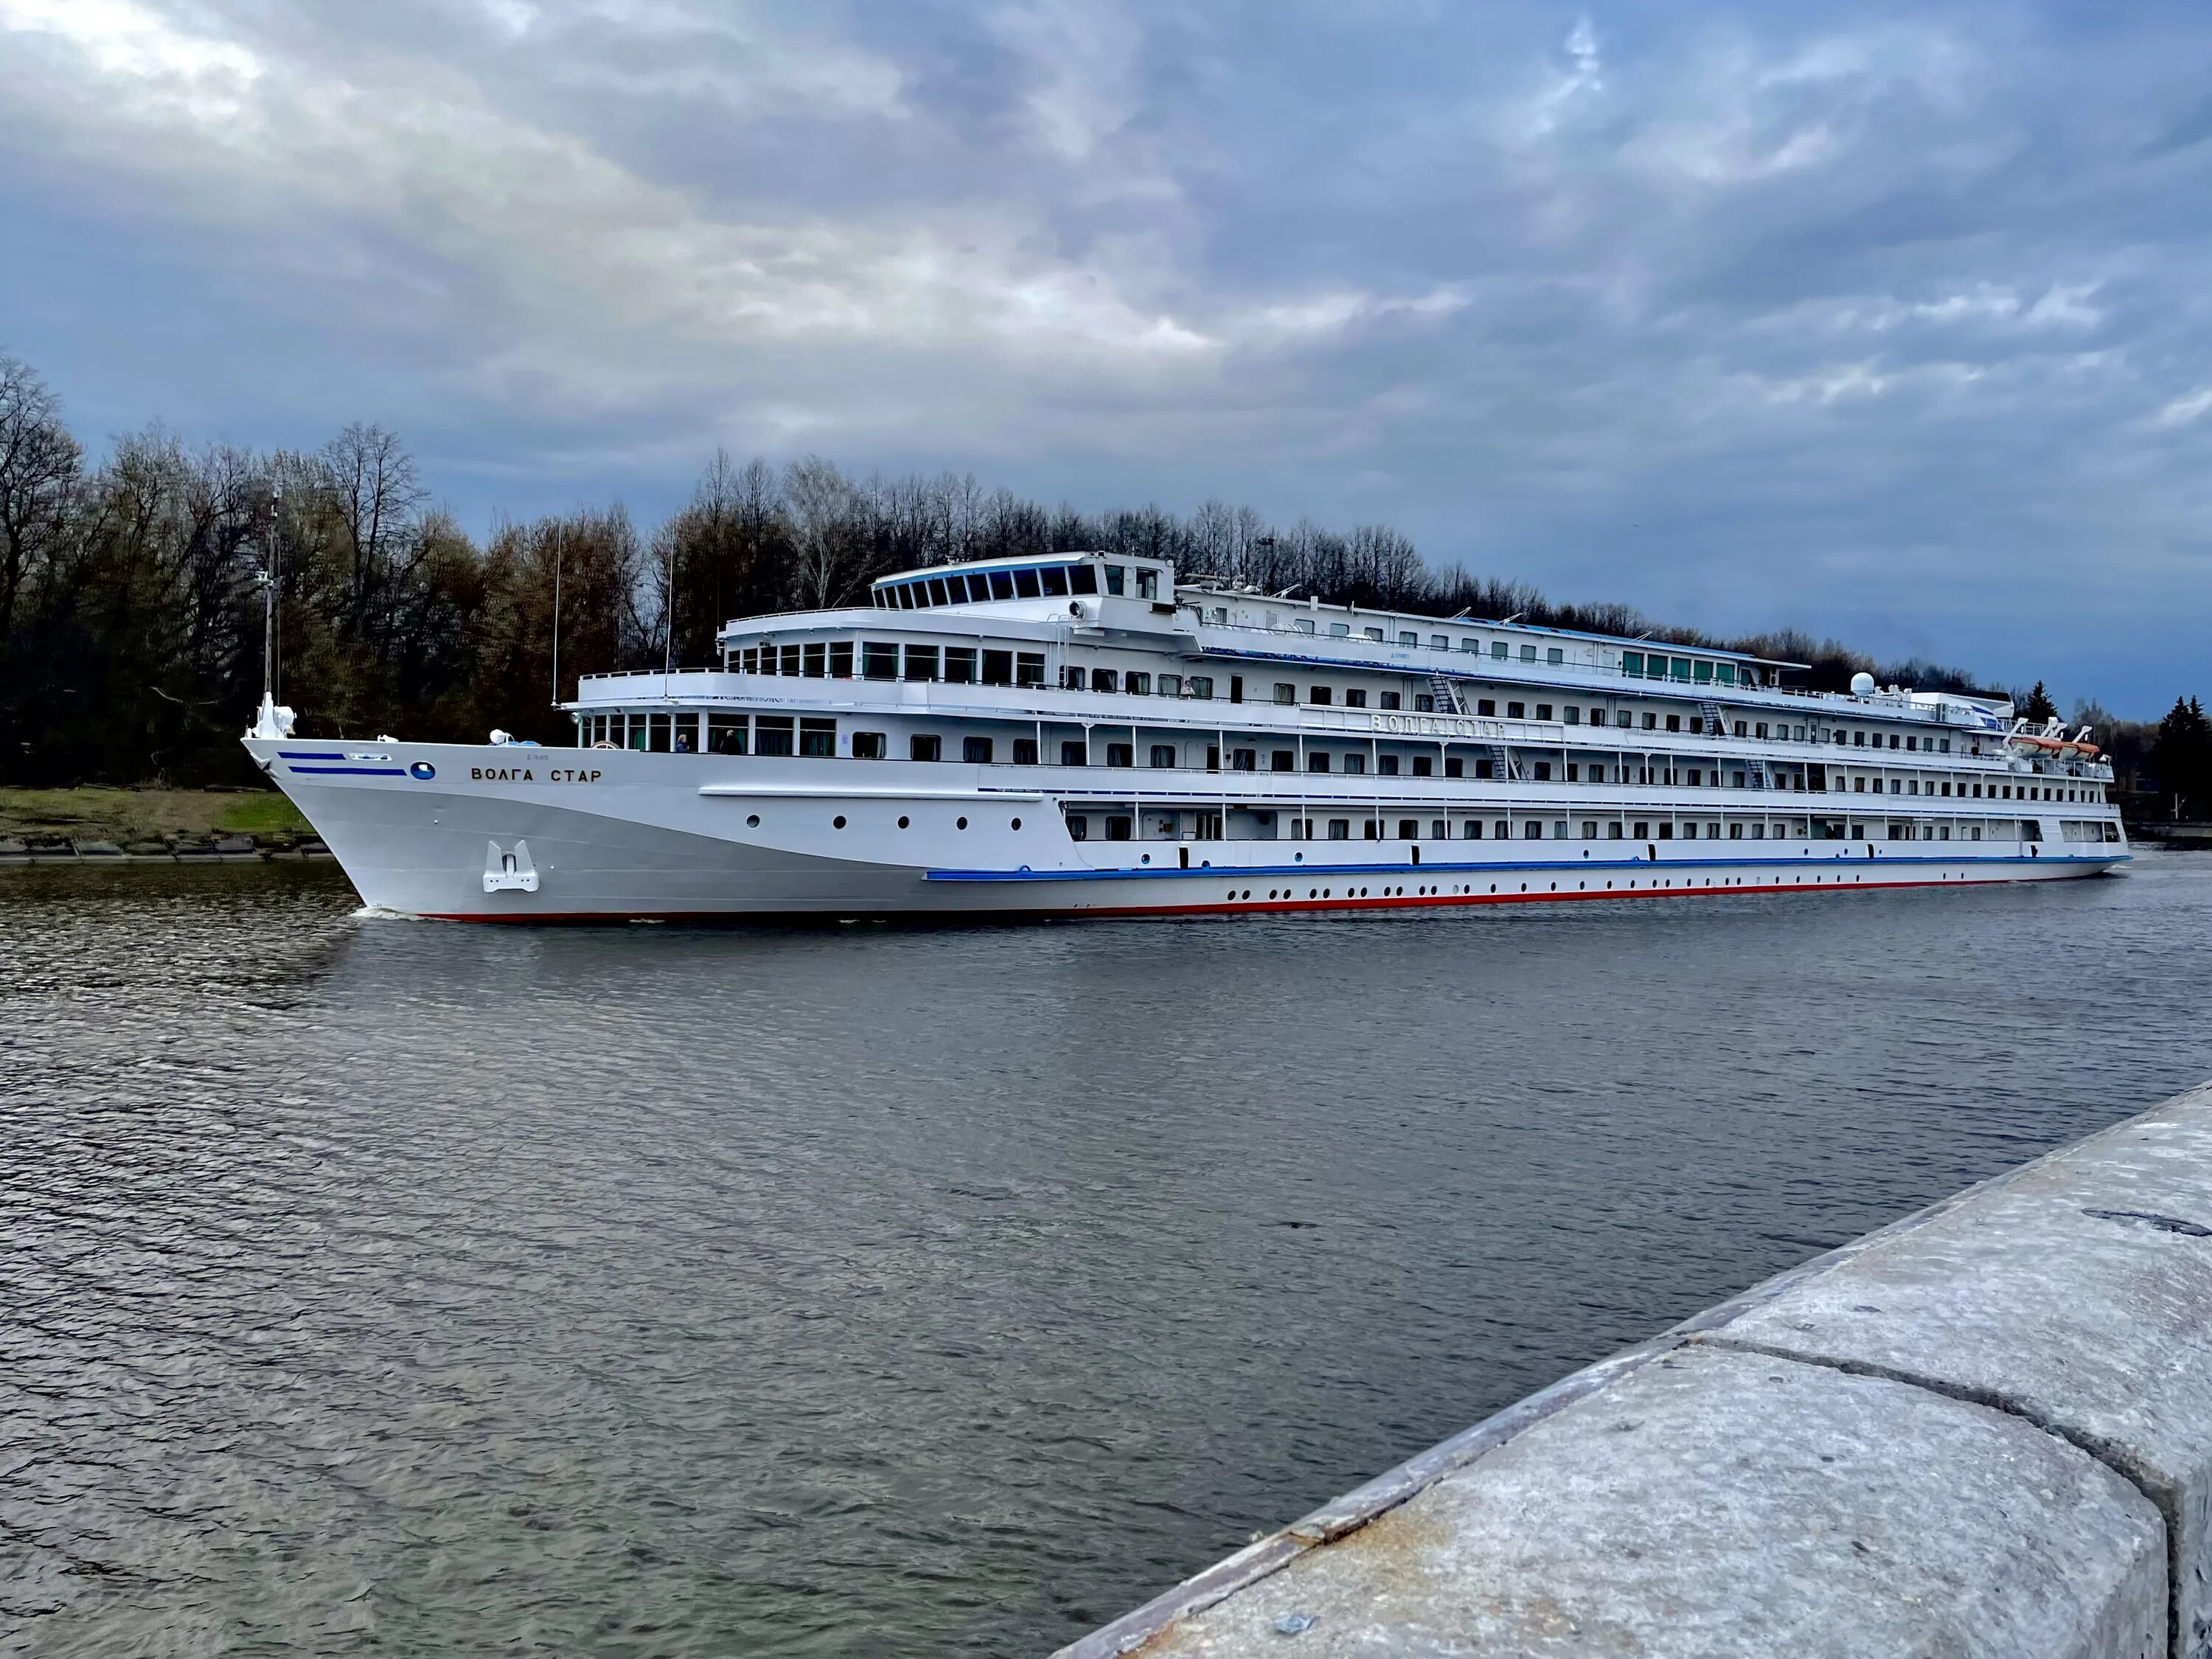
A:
x: 423, y: 770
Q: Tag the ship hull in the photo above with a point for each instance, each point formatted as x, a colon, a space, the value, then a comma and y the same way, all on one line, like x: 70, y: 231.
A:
x: 455, y: 833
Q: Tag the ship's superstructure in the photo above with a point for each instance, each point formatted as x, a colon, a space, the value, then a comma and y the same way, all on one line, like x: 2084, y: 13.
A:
x: 1081, y: 734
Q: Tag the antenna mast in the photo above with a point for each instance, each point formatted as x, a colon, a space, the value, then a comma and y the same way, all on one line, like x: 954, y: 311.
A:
x: 557, y: 552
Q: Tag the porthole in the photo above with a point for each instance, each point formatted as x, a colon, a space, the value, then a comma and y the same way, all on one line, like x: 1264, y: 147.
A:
x: 1313, y: 892
x: 904, y: 823
x: 959, y: 823
x: 752, y: 821
x: 837, y: 823
x: 1017, y: 823
x: 1248, y: 892
x: 1493, y: 886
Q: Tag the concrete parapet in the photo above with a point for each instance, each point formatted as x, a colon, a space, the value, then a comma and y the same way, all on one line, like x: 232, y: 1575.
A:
x: 1985, y: 1430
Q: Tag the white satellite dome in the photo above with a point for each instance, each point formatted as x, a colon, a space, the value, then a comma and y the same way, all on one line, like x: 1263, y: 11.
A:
x: 1863, y: 685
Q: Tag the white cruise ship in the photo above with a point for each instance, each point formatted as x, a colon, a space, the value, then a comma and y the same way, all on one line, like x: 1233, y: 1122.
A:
x: 1082, y: 734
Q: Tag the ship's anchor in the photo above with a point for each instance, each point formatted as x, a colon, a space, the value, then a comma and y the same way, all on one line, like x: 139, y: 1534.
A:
x: 509, y: 872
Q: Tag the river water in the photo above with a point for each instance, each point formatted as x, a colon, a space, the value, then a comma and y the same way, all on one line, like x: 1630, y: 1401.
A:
x: 377, y: 1285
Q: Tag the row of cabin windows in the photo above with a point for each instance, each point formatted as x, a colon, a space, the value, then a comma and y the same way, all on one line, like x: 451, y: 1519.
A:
x: 1136, y: 684
x: 883, y: 660
x: 1121, y: 827
x: 1048, y: 581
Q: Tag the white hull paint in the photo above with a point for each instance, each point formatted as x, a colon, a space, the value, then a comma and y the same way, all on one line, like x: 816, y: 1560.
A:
x: 616, y: 834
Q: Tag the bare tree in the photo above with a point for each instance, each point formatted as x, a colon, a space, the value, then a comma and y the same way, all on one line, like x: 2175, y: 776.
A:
x: 40, y: 467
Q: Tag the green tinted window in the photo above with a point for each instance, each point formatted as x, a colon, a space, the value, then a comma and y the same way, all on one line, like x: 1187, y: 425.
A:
x: 1704, y: 671
x: 1632, y: 662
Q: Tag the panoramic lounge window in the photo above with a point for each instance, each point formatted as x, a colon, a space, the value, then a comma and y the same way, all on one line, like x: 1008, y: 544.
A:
x: 997, y: 668
x: 817, y: 739
x: 772, y: 734
x: 921, y: 662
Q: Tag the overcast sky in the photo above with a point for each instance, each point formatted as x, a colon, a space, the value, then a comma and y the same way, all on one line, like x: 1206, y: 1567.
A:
x: 1885, y: 322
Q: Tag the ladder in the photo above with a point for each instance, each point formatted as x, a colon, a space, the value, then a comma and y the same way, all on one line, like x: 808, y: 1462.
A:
x: 1755, y: 771
x: 1446, y: 695
x: 1501, y: 763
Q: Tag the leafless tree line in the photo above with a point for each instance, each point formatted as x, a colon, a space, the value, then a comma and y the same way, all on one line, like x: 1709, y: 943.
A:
x: 131, y: 607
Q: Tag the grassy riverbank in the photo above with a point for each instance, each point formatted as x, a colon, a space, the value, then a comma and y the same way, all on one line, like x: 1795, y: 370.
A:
x: 125, y: 816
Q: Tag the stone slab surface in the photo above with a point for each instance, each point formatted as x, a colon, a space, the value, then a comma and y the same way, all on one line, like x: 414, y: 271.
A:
x: 1711, y: 1502
x: 2076, y: 1291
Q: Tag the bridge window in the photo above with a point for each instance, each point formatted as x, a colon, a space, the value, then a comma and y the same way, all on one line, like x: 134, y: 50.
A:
x: 1054, y: 579
x: 1083, y: 579
x: 1725, y: 673
x: 1002, y: 584
x: 1115, y: 575
x: 1025, y: 585
x: 937, y: 593
x: 1148, y: 584
x: 791, y: 659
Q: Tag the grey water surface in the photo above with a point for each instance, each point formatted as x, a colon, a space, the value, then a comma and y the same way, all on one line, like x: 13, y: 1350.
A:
x: 377, y: 1286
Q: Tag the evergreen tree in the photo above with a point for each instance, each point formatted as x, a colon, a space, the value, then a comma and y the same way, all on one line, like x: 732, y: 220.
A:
x: 2039, y: 707
x: 2183, y: 756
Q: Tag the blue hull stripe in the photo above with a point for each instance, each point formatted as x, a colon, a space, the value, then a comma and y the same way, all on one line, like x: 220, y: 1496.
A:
x: 306, y: 754
x: 1217, y: 872
x: 348, y: 771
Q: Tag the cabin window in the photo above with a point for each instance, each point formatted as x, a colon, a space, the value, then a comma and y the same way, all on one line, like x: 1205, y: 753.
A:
x: 997, y: 668
x: 841, y: 660
x: 1697, y: 777
x: 1138, y: 685
x: 1422, y: 765
x: 1118, y: 827
x: 1725, y: 673
x: 1340, y: 630
x: 1164, y: 757
x: 921, y: 662
x: 1454, y: 767
x: 1388, y: 700
x: 1515, y: 711
x: 1115, y: 575
x: 1002, y: 584
x: 1078, y: 827
x: 1499, y: 650
x: 867, y: 745
x: 772, y: 734
x: 1486, y: 707
x: 1543, y: 711
x: 1527, y: 653
x: 1243, y: 760
x: 1574, y: 715
x: 1025, y: 751
x: 879, y: 661
x: 1028, y: 668
x: 1054, y: 579
x: 1105, y: 679
x: 1858, y: 739
x: 1631, y: 663
x: 1148, y: 584
x: 1282, y: 760
x: 1339, y: 828
x: 925, y: 746
x: 1083, y: 579
x: 1317, y: 761
x: 1354, y: 697
x: 960, y: 665
x: 1286, y: 692
x: 1355, y: 763
x: 1171, y: 685
x: 1409, y: 639
x: 1201, y: 686
x: 817, y: 739
x: 1120, y: 754
x: 1703, y: 673
x: 1474, y: 829
x: 1554, y: 655
x: 1320, y: 695
x: 1387, y: 765
x: 976, y: 751
x: 1424, y: 703
x: 1374, y: 633
x: 1075, y: 753
x: 1674, y: 723
x: 1439, y: 642
x: 1025, y: 585
x: 1303, y: 624
x: 1542, y: 770
x: 1473, y: 646
x: 1070, y: 678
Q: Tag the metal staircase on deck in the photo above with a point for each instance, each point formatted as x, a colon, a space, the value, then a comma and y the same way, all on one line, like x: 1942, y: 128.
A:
x: 1502, y: 763
x: 1754, y: 765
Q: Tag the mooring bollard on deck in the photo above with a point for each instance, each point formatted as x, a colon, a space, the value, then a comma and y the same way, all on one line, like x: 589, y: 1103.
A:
x: 1985, y: 1430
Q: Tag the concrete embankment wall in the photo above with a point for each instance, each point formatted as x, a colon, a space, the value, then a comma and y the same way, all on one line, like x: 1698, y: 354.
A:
x: 1983, y: 1430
